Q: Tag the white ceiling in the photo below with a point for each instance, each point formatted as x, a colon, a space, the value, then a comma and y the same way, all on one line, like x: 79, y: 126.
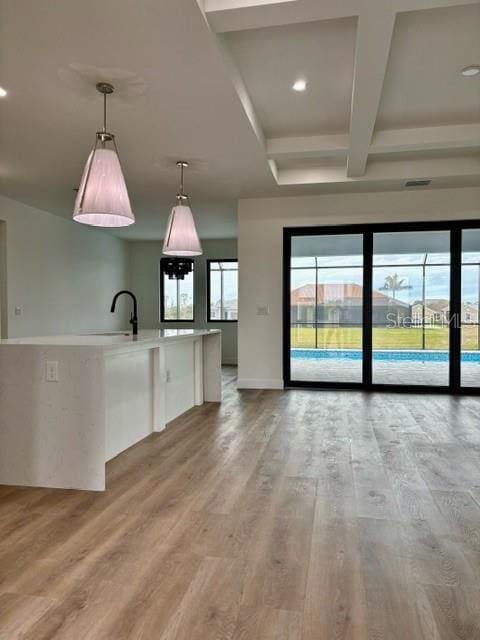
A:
x: 423, y: 86
x: 212, y: 84
x: 271, y: 59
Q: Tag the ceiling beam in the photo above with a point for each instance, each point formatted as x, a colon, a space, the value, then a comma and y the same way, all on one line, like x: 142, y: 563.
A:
x: 419, y: 5
x: 225, y: 5
x: 244, y: 97
x: 458, y: 136
x: 326, y: 146
x: 399, y: 170
x: 374, y: 35
x: 238, y: 15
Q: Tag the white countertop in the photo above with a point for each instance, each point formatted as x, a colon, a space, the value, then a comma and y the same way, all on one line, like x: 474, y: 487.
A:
x: 112, y: 340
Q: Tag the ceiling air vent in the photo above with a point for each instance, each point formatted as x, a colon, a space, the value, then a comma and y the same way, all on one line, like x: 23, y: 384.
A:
x: 417, y: 183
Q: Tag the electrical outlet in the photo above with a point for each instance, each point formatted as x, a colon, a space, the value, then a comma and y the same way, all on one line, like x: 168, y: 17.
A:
x: 51, y: 371
x: 263, y: 311
x: 167, y: 377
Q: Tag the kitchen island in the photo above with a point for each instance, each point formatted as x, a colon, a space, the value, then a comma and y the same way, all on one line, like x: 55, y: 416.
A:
x: 68, y: 404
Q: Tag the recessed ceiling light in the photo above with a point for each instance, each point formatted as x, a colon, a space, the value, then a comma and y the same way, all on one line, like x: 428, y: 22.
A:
x: 3, y: 92
x: 471, y: 70
x: 299, y: 85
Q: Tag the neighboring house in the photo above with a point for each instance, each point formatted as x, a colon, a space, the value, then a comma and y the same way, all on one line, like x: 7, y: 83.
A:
x: 343, y: 303
x: 437, y: 311
x: 230, y: 310
x: 470, y: 312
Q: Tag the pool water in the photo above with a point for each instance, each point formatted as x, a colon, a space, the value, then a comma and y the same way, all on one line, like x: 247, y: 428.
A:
x: 355, y: 354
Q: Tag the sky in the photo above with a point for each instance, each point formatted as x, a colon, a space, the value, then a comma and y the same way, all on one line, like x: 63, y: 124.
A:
x: 437, y: 280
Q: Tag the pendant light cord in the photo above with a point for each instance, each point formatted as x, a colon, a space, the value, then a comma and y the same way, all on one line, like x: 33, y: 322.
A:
x: 104, y: 117
x: 105, y: 112
x: 181, y: 179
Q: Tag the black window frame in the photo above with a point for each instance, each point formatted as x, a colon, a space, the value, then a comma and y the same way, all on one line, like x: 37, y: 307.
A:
x: 162, y: 298
x: 368, y: 230
x: 208, y: 271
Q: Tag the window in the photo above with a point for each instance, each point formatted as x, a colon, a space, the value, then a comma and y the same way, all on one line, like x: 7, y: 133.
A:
x: 176, y: 298
x: 222, y: 290
x: 383, y: 306
x: 326, y: 302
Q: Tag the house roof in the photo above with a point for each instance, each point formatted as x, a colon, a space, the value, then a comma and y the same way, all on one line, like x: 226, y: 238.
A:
x: 336, y: 292
x: 434, y: 304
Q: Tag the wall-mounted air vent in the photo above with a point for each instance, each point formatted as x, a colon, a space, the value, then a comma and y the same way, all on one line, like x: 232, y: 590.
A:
x: 417, y: 183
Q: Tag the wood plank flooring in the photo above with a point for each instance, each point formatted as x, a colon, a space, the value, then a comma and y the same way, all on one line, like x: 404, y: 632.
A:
x: 297, y: 515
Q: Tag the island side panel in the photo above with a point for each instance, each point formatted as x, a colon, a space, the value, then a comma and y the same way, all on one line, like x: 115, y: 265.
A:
x: 52, y: 432
x: 180, y: 377
x: 159, y: 389
x: 212, y: 367
x: 198, y: 371
x: 129, y: 393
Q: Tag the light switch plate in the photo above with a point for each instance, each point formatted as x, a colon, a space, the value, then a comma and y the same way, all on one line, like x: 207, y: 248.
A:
x: 51, y: 371
x: 263, y: 311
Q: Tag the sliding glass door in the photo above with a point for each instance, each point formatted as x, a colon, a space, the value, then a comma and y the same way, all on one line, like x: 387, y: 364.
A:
x: 383, y: 306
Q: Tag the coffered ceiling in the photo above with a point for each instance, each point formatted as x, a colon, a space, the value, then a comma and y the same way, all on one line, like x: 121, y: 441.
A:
x: 383, y: 87
x: 211, y: 81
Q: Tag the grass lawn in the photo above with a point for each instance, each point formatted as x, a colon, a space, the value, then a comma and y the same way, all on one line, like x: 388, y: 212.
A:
x: 383, y: 338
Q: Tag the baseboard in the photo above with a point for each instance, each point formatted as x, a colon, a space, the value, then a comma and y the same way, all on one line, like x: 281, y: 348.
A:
x: 259, y: 383
x: 230, y: 361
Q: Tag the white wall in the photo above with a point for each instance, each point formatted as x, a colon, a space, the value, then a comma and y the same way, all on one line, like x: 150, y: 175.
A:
x: 260, y: 235
x: 145, y: 263
x: 61, y: 274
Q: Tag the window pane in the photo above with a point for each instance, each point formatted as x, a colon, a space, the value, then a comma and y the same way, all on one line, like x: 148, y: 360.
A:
x: 185, y: 293
x: 223, y: 302
x: 178, y: 298
x: 326, y: 308
x: 470, y: 309
x: 215, y: 295
x: 411, y: 308
x: 170, y: 298
x: 230, y: 295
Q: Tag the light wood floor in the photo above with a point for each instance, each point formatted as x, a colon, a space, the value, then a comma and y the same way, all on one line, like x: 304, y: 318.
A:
x: 295, y: 515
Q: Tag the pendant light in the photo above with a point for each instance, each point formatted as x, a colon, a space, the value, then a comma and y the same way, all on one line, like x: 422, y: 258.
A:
x: 102, y: 199
x: 181, y: 238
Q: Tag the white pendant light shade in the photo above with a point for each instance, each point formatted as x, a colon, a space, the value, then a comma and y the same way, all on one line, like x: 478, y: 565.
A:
x: 181, y: 238
x: 102, y: 200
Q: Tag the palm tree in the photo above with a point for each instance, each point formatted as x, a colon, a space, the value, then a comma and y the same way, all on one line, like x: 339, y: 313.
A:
x: 394, y: 283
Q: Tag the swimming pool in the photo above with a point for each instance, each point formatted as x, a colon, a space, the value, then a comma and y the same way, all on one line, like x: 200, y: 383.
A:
x: 355, y: 354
